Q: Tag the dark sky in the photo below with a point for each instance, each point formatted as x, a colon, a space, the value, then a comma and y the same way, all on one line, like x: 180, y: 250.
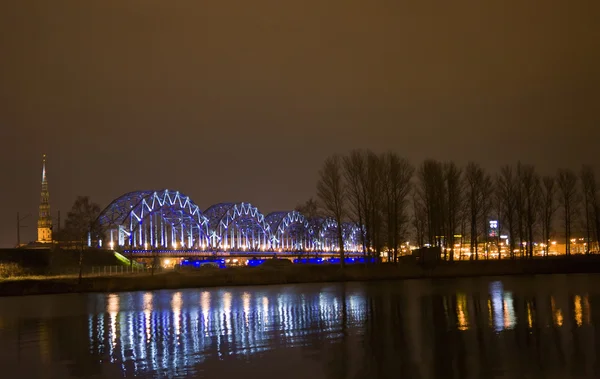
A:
x: 242, y: 100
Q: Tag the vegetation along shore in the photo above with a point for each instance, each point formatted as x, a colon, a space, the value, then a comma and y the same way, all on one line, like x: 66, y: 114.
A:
x: 287, y: 274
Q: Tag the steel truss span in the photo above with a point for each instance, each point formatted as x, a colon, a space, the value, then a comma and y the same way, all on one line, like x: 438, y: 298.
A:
x: 170, y: 220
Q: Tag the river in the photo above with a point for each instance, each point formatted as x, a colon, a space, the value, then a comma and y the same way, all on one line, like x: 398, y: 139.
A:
x: 506, y: 327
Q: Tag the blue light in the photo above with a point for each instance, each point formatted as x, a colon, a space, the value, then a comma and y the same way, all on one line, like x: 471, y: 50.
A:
x: 255, y: 262
x: 200, y: 262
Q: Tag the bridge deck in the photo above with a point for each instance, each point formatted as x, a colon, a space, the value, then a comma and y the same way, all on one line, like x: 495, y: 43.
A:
x: 232, y: 254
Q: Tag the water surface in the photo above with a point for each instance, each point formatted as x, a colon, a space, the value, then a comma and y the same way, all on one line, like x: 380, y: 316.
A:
x: 509, y: 327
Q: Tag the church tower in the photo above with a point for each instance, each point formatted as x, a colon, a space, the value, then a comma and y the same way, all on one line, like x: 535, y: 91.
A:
x: 44, y: 220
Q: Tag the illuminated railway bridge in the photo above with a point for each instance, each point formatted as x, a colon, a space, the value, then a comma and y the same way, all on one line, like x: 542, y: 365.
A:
x: 170, y: 220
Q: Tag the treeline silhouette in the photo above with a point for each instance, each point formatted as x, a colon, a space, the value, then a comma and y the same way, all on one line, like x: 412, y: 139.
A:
x: 442, y: 203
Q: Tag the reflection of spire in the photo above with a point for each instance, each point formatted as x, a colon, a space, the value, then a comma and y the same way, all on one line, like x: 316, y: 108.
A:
x: 44, y: 219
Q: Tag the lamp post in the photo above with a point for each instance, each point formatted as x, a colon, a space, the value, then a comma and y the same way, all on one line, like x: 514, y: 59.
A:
x: 19, y: 226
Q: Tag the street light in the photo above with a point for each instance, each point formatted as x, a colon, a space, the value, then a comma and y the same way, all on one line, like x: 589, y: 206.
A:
x: 19, y: 226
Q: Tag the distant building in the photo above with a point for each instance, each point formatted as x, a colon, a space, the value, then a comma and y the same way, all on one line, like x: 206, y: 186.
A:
x: 44, y: 225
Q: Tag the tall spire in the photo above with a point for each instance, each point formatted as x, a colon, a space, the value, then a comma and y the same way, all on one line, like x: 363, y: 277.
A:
x: 44, y: 219
x: 44, y: 170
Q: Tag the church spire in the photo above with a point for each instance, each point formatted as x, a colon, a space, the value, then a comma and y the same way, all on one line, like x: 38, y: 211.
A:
x: 44, y: 170
x: 44, y: 219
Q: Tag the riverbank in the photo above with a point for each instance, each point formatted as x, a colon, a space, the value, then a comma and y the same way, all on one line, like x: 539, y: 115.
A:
x: 247, y: 276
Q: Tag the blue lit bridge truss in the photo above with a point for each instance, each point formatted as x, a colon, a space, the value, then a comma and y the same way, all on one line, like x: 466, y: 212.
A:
x: 237, y: 226
x: 150, y: 220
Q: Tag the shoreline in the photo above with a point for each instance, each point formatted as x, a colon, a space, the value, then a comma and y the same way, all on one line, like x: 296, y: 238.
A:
x: 253, y: 276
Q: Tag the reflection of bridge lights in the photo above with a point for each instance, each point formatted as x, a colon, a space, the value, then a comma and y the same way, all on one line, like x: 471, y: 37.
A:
x: 291, y: 314
x: 148, y: 313
x: 265, y: 303
x: 227, y: 311
x: 246, y: 300
x: 205, y: 305
x: 176, y: 303
x: 113, y: 311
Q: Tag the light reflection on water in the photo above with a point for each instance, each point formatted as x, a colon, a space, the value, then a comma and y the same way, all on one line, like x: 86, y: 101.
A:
x: 227, y: 322
x: 460, y: 329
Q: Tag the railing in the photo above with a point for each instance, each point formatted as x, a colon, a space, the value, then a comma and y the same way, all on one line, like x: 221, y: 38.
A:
x: 121, y: 270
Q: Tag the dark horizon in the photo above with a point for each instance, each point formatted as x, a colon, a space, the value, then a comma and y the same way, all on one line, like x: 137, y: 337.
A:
x: 243, y: 102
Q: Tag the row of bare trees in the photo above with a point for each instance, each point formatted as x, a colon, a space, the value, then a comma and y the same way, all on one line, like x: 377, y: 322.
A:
x: 371, y: 190
x: 448, y: 205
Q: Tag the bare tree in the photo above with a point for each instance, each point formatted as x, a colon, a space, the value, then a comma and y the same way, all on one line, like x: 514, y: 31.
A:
x: 432, y: 193
x: 419, y: 218
x: 567, y: 185
x: 80, y: 225
x: 355, y: 173
x: 464, y: 222
x: 486, y: 189
x: 474, y: 177
x: 452, y: 176
x: 310, y: 209
x: 548, y: 208
x: 332, y: 194
x: 591, y: 206
x: 530, y: 190
x: 520, y: 208
x: 507, y: 203
x: 375, y: 197
x: 397, y: 182
x: 363, y: 171
x: 80, y: 220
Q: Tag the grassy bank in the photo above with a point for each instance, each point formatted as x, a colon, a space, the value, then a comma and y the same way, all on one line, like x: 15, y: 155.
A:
x: 242, y: 276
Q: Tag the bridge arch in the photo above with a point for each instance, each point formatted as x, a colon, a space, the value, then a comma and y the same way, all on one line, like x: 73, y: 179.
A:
x: 325, y: 236
x: 237, y: 226
x: 352, y: 241
x: 289, y: 230
x: 153, y: 219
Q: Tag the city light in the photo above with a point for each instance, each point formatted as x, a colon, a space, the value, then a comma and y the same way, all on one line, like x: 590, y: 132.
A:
x: 240, y: 227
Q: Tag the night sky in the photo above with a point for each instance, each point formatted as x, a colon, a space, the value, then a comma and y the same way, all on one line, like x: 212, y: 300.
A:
x: 242, y: 100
